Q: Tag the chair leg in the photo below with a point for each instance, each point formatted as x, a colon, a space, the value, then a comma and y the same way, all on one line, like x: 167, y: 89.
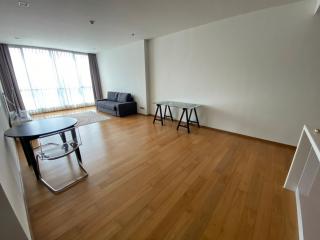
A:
x: 69, y: 184
x: 78, y: 154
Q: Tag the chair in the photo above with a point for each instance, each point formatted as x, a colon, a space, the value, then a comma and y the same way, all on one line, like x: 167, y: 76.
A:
x: 58, y: 145
x: 16, y: 117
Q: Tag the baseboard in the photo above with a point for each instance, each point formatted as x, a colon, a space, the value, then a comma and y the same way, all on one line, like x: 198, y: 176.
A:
x: 299, y: 215
x: 244, y: 136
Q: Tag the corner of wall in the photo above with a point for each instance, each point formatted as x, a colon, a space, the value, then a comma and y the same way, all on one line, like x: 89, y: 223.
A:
x: 147, y: 72
x: 125, y: 69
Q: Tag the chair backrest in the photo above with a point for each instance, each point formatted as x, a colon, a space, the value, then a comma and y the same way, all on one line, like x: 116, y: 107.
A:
x: 113, y: 96
x: 120, y: 97
x: 124, y: 97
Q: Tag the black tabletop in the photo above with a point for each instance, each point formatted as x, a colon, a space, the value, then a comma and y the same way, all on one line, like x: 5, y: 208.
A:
x: 37, y: 128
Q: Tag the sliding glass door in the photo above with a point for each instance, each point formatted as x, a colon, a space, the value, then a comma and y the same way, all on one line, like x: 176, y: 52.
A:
x: 52, y: 80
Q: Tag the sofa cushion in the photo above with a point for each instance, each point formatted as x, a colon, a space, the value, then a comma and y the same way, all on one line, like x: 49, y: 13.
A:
x: 106, y: 104
x: 113, y: 96
x: 124, y: 97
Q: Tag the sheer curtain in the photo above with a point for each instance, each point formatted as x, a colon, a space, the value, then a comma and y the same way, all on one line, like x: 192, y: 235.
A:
x: 51, y: 80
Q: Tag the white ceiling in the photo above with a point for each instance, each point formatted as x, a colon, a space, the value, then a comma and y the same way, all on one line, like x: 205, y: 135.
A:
x: 65, y: 23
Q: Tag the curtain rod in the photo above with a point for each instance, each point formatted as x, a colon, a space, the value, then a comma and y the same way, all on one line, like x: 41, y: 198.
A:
x: 45, y: 48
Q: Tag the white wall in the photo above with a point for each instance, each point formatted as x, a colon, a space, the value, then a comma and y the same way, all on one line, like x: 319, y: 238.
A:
x: 10, y: 177
x: 123, y: 69
x: 256, y: 74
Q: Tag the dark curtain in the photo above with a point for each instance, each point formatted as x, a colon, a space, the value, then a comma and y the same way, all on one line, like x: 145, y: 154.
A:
x: 9, y: 81
x: 95, y: 76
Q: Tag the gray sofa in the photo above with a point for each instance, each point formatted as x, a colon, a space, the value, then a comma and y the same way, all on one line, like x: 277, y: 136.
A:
x: 117, y: 104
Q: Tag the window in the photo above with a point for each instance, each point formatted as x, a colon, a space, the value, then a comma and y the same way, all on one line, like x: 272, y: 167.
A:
x: 52, y: 80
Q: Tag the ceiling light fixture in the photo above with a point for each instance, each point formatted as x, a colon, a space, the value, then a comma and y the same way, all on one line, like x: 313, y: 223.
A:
x: 23, y: 4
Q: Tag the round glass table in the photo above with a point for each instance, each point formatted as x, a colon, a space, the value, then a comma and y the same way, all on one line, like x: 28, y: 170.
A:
x: 29, y: 131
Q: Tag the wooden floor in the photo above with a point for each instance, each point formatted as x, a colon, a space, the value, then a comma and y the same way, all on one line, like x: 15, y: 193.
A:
x: 151, y: 182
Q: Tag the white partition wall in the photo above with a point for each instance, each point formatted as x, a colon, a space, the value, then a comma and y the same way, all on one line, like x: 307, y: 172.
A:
x: 304, y: 179
x: 255, y: 74
x: 123, y: 69
x: 11, y: 183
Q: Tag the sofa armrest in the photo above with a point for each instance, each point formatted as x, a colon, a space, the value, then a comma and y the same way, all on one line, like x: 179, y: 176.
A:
x: 126, y: 108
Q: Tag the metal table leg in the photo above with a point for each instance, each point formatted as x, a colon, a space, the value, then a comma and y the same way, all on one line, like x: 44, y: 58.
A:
x: 184, y: 111
x: 187, y: 120
x: 196, y: 115
x: 156, y: 115
x: 195, y: 112
x: 165, y: 113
